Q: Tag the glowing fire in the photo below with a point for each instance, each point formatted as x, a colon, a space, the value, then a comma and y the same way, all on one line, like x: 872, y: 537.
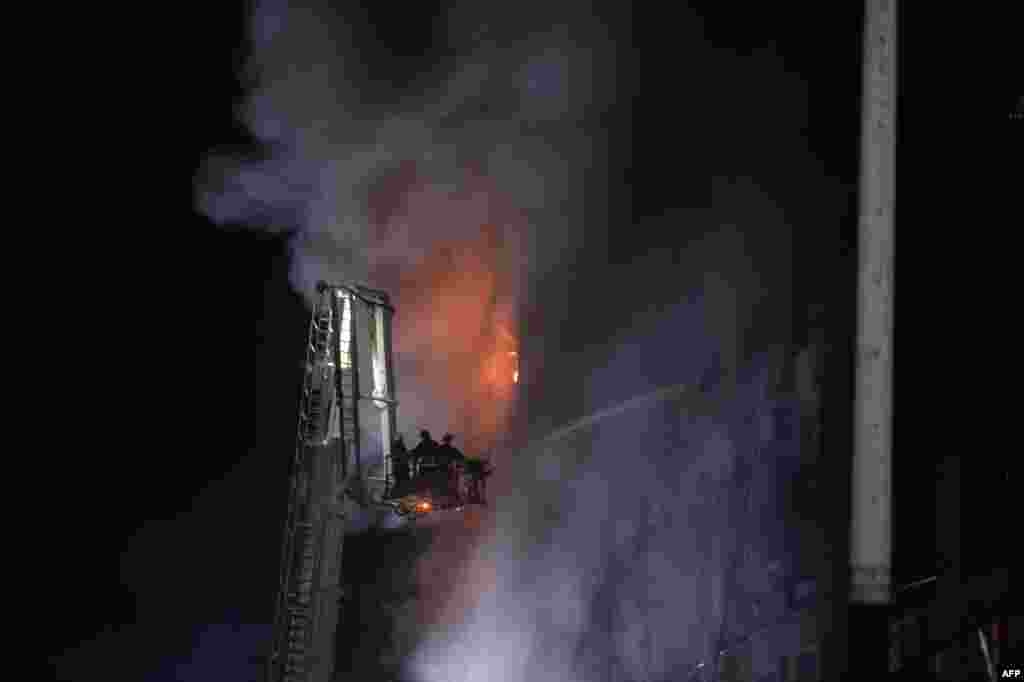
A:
x: 456, y: 320
x: 456, y: 299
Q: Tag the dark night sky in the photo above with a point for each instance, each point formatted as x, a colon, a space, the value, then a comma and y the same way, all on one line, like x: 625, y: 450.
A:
x: 210, y: 385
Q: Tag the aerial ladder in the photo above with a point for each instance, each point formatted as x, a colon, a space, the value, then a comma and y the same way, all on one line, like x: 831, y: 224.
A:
x: 341, y: 465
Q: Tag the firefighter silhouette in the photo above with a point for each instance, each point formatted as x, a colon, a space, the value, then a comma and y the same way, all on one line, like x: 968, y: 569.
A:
x: 477, y: 472
x: 452, y: 460
x: 424, y: 455
x: 400, y: 460
x: 448, y: 453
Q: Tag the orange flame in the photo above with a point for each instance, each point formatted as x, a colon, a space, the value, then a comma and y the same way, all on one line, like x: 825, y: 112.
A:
x: 454, y: 321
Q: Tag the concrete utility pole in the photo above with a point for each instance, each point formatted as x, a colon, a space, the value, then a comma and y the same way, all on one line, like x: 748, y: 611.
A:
x: 870, y: 530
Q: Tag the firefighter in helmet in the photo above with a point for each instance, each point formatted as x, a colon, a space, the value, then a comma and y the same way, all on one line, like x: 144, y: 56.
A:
x: 400, y: 461
x: 452, y: 460
x: 424, y: 455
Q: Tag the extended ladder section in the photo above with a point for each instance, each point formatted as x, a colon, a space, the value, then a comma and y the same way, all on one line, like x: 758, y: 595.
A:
x: 293, y: 635
x: 299, y: 615
x: 318, y: 391
x: 328, y: 466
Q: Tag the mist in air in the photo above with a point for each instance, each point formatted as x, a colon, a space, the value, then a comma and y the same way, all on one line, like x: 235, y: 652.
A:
x: 479, y: 196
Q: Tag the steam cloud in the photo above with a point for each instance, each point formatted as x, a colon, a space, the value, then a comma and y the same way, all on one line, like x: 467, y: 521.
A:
x: 608, y: 556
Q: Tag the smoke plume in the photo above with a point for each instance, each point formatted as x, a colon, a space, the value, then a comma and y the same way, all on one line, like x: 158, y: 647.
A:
x: 453, y: 194
x: 464, y: 195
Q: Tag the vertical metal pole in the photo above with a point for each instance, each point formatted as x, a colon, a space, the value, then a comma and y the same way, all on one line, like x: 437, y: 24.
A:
x: 870, y: 530
x: 388, y: 425
x: 338, y: 306
x: 389, y: 364
x: 356, y: 424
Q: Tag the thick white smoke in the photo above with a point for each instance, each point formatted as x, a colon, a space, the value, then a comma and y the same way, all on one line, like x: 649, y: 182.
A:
x: 384, y: 184
x: 512, y: 108
x: 606, y: 557
x: 612, y: 538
